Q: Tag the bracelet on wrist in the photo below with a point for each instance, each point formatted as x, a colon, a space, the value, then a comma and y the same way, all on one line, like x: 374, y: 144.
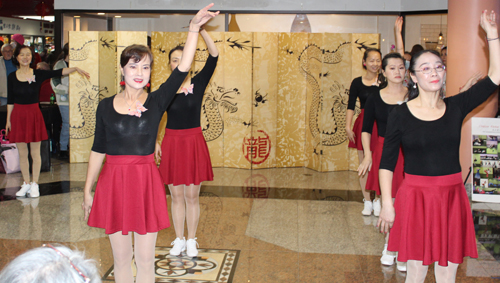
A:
x: 491, y: 39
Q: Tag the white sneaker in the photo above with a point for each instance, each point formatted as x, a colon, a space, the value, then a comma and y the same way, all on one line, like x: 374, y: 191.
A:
x: 401, y: 266
x: 368, y: 208
x: 25, y: 188
x: 34, y: 192
x: 376, y: 207
x: 387, y: 258
x: 179, y: 245
x: 191, y: 249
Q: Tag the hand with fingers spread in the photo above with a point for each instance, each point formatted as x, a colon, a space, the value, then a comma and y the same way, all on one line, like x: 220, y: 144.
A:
x: 471, y: 81
x: 489, y: 25
x: 203, y: 16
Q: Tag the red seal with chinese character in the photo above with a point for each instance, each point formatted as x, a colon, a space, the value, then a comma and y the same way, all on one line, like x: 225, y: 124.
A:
x: 256, y: 149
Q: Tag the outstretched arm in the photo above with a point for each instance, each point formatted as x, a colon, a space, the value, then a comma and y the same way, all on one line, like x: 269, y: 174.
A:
x: 489, y: 25
x: 398, y: 28
x: 212, y: 49
x: 199, y: 20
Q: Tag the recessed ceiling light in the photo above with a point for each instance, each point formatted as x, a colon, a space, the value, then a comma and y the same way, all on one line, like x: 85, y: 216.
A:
x: 76, y: 16
x: 101, y: 14
x: 118, y: 16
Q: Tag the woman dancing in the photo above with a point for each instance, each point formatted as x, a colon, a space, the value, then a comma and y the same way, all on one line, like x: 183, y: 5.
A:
x: 185, y: 161
x: 130, y: 196
x: 431, y: 215
x: 362, y: 87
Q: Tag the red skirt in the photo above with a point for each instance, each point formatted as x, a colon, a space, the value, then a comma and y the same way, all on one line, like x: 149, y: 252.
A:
x: 27, y: 124
x: 433, y: 220
x: 358, y: 126
x: 130, y: 196
x: 185, y: 158
x: 372, y: 183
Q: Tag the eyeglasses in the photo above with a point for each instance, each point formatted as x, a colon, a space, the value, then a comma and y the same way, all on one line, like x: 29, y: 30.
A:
x: 428, y: 70
x: 85, y: 278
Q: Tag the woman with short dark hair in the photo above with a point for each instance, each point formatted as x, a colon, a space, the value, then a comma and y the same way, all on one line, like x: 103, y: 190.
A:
x: 130, y: 196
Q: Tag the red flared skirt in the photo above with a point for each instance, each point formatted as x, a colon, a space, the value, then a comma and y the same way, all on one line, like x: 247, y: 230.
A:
x: 358, y: 126
x: 27, y: 124
x: 372, y: 183
x: 130, y: 196
x: 185, y: 158
x: 433, y: 220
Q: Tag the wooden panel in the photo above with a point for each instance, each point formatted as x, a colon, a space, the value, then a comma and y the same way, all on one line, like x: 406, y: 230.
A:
x: 216, y: 100
x: 107, y: 64
x: 311, y: 64
x: 291, y: 102
x: 238, y: 77
x: 336, y: 79
x: 264, y: 99
x: 84, y: 94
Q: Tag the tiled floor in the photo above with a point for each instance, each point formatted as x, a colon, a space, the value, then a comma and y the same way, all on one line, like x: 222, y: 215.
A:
x: 277, y: 225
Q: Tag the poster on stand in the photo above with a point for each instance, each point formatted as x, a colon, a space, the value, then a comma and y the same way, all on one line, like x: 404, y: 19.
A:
x: 485, y: 159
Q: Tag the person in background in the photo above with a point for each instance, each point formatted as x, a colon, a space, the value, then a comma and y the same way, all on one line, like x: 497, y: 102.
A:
x: 17, y: 39
x: 25, y: 124
x: 60, y: 85
x: 444, y: 54
x: 361, y: 88
x: 45, y: 89
x: 51, y: 264
x: 416, y: 48
x: 6, y: 67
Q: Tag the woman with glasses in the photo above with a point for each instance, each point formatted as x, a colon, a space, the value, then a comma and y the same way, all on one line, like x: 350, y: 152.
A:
x: 431, y: 219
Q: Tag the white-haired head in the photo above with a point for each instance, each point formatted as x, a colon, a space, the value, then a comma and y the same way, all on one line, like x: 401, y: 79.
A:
x: 57, y: 264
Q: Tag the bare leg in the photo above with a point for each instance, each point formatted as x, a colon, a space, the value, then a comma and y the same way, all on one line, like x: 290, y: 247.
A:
x: 192, y: 197
x: 22, y: 148
x: 178, y: 209
x: 362, y: 179
x: 37, y: 160
x: 144, y: 250
x: 445, y: 274
x: 416, y: 271
x: 122, y: 257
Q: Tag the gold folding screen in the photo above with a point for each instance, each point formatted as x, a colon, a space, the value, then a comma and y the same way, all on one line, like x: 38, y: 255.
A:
x: 275, y: 100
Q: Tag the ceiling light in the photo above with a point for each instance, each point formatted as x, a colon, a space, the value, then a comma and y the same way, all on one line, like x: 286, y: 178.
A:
x: 118, y: 16
x: 101, y: 14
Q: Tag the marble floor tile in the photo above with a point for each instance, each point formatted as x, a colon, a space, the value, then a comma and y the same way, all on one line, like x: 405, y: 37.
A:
x: 289, y: 224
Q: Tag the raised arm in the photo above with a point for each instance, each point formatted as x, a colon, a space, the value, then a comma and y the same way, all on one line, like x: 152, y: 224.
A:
x: 199, y: 20
x: 398, y: 28
x: 489, y: 25
x: 212, y: 48
x: 67, y: 71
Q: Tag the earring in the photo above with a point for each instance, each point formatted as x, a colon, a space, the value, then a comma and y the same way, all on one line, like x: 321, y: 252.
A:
x: 415, y: 85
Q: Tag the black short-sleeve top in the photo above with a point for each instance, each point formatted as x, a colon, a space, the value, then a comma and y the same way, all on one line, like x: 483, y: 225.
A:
x: 376, y: 111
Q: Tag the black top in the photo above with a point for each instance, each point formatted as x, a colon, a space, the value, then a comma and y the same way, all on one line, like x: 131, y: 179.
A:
x: 25, y: 92
x: 185, y: 110
x: 361, y: 91
x: 122, y: 134
x: 431, y: 147
x: 376, y: 110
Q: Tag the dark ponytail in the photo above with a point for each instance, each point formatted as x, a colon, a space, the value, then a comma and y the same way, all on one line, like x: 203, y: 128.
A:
x: 385, y: 61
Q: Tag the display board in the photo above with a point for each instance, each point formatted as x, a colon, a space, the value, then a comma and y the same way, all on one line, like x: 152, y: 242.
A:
x: 485, y: 159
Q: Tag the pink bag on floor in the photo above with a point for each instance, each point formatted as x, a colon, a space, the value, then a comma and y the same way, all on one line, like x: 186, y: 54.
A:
x: 9, y: 156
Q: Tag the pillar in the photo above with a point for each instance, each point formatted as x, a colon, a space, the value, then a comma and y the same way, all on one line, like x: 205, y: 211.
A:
x: 467, y: 54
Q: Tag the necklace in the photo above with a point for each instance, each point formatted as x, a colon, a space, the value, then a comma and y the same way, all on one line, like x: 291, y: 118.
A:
x: 129, y: 105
